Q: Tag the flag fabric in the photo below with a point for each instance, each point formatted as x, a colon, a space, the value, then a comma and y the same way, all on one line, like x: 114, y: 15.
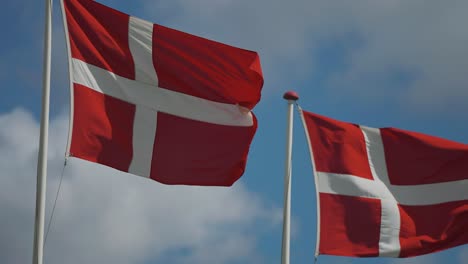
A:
x: 157, y: 102
x: 386, y: 192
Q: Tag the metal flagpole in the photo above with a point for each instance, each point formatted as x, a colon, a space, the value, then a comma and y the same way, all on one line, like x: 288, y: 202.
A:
x: 42, y: 155
x: 292, y: 98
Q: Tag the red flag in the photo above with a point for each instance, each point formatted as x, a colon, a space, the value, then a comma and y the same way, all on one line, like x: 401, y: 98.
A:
x: 157, y: 102
x: 387, y: 192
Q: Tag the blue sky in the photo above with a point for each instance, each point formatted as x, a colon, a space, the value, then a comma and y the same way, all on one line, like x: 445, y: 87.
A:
x: 379, y: 63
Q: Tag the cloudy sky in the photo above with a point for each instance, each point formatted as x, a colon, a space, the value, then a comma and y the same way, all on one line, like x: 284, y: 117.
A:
x: 379, y: 63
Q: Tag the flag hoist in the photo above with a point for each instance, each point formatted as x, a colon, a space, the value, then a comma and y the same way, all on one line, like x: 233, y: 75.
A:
x: 44, y: 133
x: 291, y: 97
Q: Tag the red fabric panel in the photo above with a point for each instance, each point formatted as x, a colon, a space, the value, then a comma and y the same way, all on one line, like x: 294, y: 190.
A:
x: 349, y: 226
x: 198, y: 153
x: 431, y: 228
x: 99, y: 36
x: 338, y: 147
x: 414, y: 158
x: 203, y: 68
x: 102, y: 128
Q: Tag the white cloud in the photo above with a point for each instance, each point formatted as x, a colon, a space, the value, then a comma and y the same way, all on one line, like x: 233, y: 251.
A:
x: 425, y: 40
x: 104, y: 216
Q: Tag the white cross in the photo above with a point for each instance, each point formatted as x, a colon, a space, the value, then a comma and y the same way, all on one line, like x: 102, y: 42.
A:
x: 149, y: 99
x: 389, y: 195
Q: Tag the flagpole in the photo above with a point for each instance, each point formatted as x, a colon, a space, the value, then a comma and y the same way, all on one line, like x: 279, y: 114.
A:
x: 44, y: 131
x: 291, y: 97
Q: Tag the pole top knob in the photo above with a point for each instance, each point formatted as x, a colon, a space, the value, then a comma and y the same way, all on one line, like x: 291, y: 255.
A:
x: 291, y: 95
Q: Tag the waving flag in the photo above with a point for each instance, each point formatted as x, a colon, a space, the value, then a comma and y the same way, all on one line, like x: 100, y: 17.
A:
x: 157, y: 102
x: 387, y: 192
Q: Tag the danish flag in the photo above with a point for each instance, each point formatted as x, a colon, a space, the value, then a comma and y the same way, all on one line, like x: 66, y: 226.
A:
x: 387, y: 192
x: 157, y: 102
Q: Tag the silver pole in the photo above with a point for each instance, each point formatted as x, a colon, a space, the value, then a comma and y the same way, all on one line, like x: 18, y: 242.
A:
x: 291, y: 97
x: 42, y: 155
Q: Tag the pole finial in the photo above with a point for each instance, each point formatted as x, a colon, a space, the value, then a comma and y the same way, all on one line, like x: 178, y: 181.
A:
x: 291, y: 95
